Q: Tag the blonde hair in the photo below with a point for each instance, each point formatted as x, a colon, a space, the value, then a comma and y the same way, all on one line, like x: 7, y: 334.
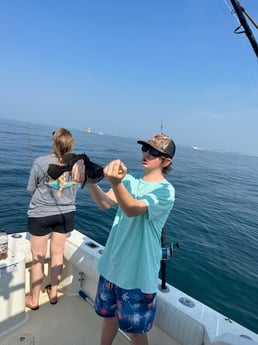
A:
x: 63, y: 143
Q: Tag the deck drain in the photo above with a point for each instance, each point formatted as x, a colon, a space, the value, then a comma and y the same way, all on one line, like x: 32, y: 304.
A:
x: 23, y: 339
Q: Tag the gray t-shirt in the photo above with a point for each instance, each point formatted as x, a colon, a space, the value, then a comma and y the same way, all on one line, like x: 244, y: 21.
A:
x: 50, y: 197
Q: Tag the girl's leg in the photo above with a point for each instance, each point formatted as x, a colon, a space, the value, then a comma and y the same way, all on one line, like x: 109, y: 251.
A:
x: 57, y: 244
x: 38, y: 249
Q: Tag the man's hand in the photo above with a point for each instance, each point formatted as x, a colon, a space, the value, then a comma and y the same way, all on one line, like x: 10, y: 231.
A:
x: 78, y: 171
x: 115, y: 171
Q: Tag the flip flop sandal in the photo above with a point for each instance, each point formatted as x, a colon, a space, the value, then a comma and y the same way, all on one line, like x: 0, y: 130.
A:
x: 51, y: 300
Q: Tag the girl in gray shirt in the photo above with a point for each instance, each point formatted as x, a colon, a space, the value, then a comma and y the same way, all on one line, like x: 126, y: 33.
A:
x: 51, y: 214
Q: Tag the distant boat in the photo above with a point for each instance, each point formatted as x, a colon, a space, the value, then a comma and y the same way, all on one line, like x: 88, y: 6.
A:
x: 89, y: 130
x: 100, y: 133
x: 197, y: 147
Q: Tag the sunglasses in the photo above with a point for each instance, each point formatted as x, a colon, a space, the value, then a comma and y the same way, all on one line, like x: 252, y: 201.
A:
x: 153, y: 152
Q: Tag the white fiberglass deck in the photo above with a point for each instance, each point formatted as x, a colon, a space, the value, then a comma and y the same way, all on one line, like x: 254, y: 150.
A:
x: 72, y: 321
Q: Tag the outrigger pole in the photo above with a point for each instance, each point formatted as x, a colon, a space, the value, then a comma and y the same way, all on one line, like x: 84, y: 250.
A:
x: 240, y: 11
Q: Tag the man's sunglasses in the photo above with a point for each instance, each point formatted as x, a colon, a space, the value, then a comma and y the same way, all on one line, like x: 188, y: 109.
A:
x: 153, y: 152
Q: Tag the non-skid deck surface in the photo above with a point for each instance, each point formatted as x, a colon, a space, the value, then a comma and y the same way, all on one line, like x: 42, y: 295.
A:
x: 72, y: 321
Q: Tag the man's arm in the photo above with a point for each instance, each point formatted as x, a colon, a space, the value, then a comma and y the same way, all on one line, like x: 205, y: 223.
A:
x: 131, y: 207
x: 115, y: 171
x: 103, y: 199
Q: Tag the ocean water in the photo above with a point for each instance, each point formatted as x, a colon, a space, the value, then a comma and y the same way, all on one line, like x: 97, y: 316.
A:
x: 215, y: 216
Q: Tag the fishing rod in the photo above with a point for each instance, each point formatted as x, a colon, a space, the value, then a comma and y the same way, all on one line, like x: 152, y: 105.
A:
x: 167, y: 253
x: 249, y: 17
x: 29, y: 146
x: 241, y: 12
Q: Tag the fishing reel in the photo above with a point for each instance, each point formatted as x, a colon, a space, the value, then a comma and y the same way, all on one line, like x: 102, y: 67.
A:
x: 168, y: 252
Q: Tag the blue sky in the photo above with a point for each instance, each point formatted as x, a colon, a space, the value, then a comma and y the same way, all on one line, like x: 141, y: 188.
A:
x: 122, y: 67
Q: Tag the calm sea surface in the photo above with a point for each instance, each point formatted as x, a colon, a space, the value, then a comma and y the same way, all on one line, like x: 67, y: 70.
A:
x: 215, y: 217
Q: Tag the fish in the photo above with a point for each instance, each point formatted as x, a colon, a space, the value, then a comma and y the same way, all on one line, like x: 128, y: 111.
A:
x: 93, y: 171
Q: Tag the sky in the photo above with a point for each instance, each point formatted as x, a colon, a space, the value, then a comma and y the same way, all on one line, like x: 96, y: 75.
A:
x: 124, y: 67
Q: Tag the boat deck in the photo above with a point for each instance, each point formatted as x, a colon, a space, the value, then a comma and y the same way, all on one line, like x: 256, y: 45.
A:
x: 72, y: 321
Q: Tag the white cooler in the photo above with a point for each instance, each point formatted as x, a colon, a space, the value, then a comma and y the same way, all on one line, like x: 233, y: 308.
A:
x: 12, y: 291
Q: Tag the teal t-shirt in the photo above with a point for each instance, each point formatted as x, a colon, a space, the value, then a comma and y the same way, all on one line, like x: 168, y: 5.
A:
x: 132, y: 254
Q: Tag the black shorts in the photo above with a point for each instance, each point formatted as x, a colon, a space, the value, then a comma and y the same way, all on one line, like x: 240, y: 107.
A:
x: 41, y: 226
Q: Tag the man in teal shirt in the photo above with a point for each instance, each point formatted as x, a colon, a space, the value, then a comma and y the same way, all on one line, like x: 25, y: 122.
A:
x: 129, y: 266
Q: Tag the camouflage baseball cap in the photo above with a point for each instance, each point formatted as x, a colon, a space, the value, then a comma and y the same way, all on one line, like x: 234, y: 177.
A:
x: 162, y: 143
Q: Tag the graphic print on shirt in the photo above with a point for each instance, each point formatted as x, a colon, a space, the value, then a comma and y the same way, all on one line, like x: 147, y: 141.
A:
x: 63, y: 182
